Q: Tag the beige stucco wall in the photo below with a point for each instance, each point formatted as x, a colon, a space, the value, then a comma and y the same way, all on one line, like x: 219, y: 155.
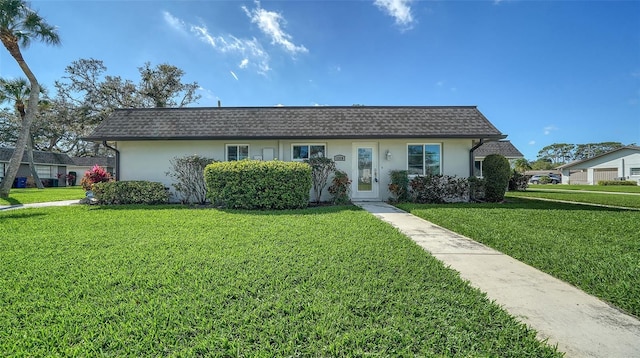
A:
x: 149, y: 160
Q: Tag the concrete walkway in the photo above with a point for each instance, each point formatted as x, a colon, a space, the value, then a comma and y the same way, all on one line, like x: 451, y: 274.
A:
x: 40, y: 205
x: 580, y: 324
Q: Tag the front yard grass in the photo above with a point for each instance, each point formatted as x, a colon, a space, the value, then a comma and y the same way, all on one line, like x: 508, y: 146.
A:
x: 33, y: 195
x: 596, y: 249
x: 174, y: 281
x: 606, y: 188
x: 612, y: 199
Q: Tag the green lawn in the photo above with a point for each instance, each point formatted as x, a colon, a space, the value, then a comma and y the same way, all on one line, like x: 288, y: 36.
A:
x: 607, y: 188
x: 596, y: 249
x: 33, y: 195
x: 613, y: 199
x: 174, y: 281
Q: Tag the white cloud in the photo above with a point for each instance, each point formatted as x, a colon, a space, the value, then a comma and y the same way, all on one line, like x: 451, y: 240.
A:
x: 279, y: 105
x: 549, y: 129
x: 174, y: 22
x: 532, y: 142
x: 400, y: 10
x: 234, y: 75
x: 271, y: 24
x: 248, y: 50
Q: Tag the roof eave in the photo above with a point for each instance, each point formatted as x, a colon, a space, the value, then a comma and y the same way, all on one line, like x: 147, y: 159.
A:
x: 289, y: 137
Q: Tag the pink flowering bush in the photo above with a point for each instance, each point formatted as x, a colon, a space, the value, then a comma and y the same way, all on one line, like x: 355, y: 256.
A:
x: 97, y: 174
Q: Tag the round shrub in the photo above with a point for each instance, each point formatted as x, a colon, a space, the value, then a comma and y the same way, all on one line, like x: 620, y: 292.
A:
x: 496, y: 171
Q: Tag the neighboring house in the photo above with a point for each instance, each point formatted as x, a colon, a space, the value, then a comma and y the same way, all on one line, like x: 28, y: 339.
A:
x: 618, y: 164
x: 365, y: 142
x: 503, y: 147
x: 49, y: 166
x: 83, y: 164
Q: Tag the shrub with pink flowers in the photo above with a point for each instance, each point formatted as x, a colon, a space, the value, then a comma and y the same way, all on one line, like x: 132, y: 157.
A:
x: 97, y: 174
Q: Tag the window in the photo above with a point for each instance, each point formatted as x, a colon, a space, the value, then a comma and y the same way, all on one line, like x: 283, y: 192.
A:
x: 424, y: 159
x: 477, y: 168
x: 301, y: 152
x: 635, y: 171
x: 2, y: 170
x: 44, y: 171
x: 237, y: 152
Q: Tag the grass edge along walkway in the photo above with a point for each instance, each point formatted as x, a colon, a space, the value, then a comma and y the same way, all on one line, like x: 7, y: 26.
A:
x: 581, y: 325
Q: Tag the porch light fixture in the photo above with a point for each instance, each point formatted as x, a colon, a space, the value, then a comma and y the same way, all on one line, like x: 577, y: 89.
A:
x: 388, y: 154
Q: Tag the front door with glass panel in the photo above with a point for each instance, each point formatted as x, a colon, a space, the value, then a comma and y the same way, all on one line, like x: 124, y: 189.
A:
x: 365, y: 179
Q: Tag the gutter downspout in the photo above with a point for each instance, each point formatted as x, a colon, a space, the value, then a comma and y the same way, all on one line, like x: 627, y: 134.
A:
x: 471, y: 157
x: 117, y: 159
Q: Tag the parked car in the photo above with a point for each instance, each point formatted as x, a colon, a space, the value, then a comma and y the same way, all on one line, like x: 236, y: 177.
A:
x: 539, y: 179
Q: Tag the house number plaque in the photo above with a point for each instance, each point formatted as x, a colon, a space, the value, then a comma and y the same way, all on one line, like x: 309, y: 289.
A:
x: 338, y: 158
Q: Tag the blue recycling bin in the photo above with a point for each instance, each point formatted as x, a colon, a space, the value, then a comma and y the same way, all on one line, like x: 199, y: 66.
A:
x: 20, y: 182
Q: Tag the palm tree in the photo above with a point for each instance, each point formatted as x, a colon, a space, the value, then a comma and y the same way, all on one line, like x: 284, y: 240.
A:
x: 17, y: 91
x: 522, y: 165
x: 18, y: 26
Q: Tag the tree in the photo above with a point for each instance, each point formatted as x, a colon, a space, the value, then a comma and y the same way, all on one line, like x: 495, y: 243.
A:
x: 162, y: 86
x: 521, y: 165
x: 590, y: 150
x: 17, y: 91
x: 558, y: 153
x: 18, y: 26
x: 321, y: 168
x: 87, y: 95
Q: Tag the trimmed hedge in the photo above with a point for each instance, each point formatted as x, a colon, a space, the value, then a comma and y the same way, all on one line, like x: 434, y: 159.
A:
x: 497, y: 171
x: 439, y: 189
x: 130, y: 192
x: 254, y: 184
x: 618, y: 182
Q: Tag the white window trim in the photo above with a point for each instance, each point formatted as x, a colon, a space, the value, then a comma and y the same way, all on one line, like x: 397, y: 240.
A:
x: 226, y: 150
x: 634, y: 171
x: 307, y: 145
x: 423, y: 165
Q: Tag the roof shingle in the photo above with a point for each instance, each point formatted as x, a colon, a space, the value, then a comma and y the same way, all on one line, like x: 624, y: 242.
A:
x: 295, y: 123
x: 503, y: 147
x: 38, y: 157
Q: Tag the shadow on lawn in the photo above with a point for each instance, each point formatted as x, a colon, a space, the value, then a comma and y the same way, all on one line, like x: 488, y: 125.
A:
x: 18, y: 214
x: 11, y: 201
x: 516, y: 204
x: 311, y: 210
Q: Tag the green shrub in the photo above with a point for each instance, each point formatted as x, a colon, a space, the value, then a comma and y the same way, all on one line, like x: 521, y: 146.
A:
x: 130, y: 192
x: 439, y: 189
x: 399, y: 186
x: 518, y: 182
x: 340, y: 188
x: 253, y: 184
x: 618, y: 182
x: 496, y: 171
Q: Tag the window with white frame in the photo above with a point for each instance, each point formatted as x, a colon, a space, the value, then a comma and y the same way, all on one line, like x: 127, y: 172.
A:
x: 237, y: 152
x: 635, y: 171
x: 45, y: 171
x: 424, y: 159
x: 300, y: 152
x: 477, y: 168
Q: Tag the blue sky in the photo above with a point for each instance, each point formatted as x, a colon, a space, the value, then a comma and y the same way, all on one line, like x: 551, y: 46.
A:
x: 542, y: 72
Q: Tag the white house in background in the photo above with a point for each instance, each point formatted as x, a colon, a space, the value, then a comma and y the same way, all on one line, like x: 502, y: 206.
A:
x: 365, y: 142
x: 621, y: 163
x: 83, y: 164
x: 51, y: 167
x: 502, y: 147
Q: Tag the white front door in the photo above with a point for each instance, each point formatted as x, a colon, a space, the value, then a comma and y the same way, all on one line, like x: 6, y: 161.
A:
x: 365, y: 180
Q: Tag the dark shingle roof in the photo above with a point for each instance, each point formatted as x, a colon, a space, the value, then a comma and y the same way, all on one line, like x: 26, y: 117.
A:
x: 38, y: 157
x: 295, y: 123
x: 91, y: 161
x: 503, y: 147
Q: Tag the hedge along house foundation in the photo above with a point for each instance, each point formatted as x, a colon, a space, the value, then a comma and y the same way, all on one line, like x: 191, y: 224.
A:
x: 365, y: 142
